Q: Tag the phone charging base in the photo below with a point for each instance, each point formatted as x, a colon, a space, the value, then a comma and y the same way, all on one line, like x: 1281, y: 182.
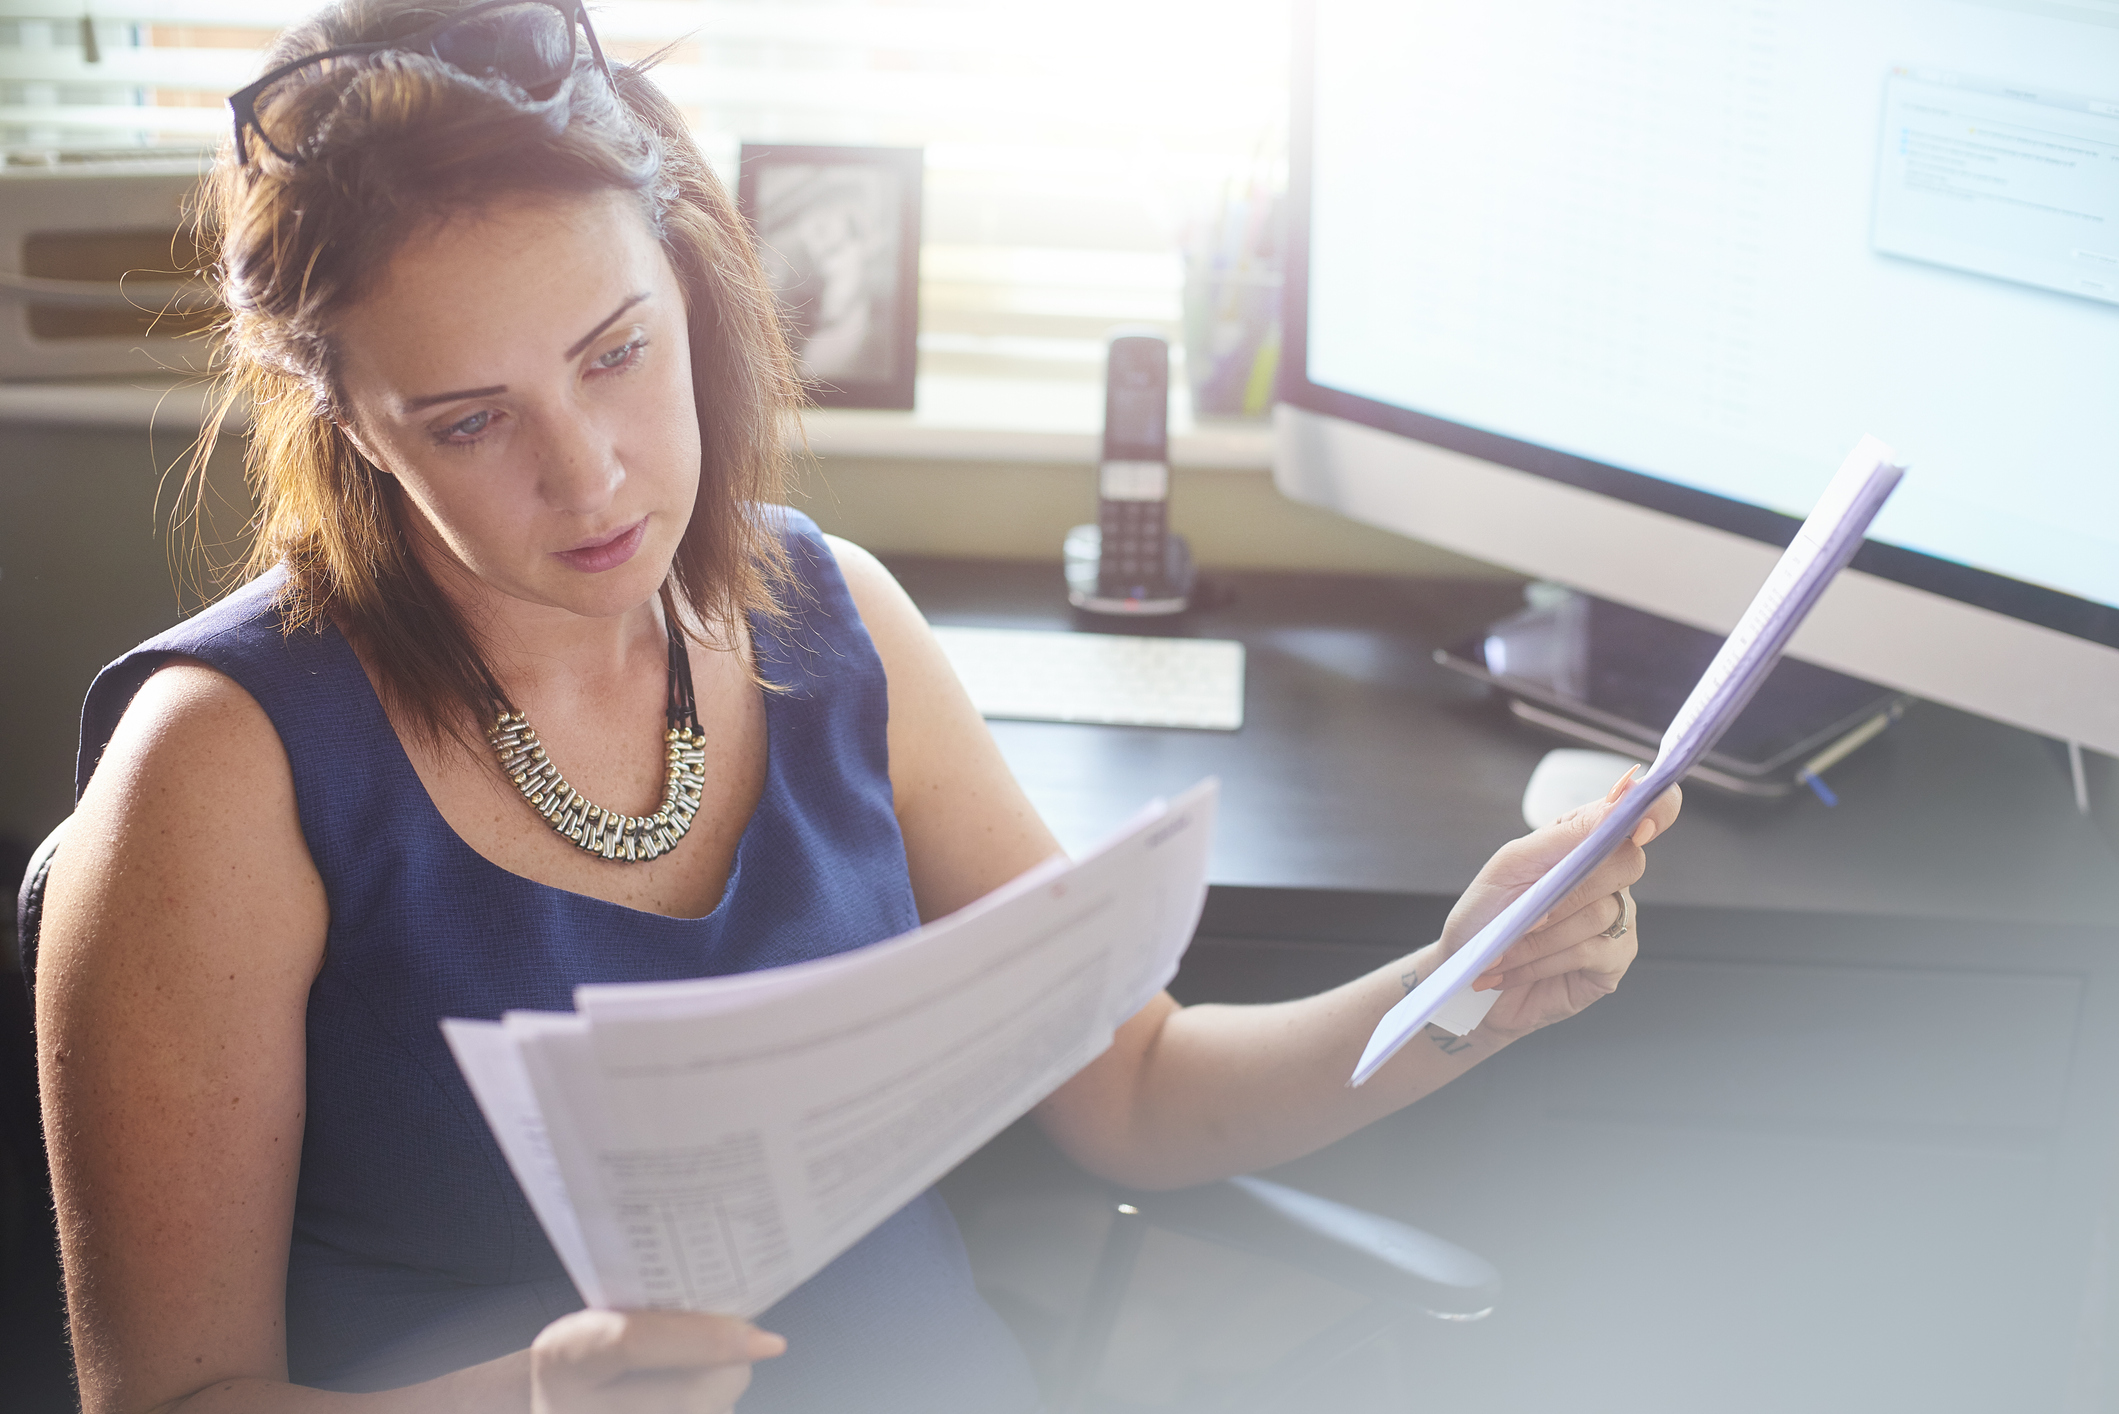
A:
x: 1087, y: 591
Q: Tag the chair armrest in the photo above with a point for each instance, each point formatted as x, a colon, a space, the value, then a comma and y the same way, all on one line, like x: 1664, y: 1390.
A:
x: 29, y: 909
x: 1382, y: 1258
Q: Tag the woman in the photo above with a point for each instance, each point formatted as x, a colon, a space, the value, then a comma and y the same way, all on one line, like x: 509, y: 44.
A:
x: 518, y: 396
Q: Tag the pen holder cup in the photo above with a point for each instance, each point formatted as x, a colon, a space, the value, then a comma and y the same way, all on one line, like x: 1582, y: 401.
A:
x: 1232, y: 339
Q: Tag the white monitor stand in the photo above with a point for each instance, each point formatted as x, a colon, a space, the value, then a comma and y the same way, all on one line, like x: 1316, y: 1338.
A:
x: 1934, y: 647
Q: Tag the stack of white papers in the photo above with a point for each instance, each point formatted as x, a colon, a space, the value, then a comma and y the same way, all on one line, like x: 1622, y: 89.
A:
x: 712, y: 1143
x: 1821, y: 548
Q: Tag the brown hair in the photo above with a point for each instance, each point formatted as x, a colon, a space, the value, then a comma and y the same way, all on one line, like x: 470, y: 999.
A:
x: 397, y: 141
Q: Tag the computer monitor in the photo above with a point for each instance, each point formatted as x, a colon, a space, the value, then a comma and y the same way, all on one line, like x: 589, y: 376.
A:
x: 1604, y: 292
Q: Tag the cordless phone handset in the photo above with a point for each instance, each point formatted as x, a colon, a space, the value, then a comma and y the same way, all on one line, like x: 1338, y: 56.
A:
x: 1129, y: 563
x: 1133, y: 481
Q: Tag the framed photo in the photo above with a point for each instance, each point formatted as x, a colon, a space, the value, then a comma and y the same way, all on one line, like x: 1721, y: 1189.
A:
x: 839, y: 231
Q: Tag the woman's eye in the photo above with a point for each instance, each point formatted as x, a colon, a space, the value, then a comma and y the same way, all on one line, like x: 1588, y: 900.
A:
x: 468, y: 429
x: 620, y: 356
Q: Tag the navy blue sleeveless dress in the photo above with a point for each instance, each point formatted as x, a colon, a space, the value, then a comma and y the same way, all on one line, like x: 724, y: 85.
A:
x: 414, y: 1250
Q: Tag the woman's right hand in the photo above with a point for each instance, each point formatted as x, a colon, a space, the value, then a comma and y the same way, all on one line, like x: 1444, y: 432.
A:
x: 645, y: 1362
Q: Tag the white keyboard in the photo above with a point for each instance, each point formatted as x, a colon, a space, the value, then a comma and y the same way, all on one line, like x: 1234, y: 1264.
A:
x: 1119, y: 680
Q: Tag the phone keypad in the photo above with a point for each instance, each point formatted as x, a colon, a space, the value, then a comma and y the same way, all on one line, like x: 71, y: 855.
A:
x: 1133, y: 548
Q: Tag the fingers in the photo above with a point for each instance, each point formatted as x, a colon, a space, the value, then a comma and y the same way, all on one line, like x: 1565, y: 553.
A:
x: 1661, y: 815
x: 645, y: 1361
x: 1621, y: 869
x: 1593, y: 961
x: 606, y: 1344
x: 1582, y: 926
x: 713, y: 1391
x: 1522, y: 861
x: 1528, y: 857
x: 1624, y: 866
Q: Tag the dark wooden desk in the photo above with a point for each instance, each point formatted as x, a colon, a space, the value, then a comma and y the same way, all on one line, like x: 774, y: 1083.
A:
x: 1364, y: 766
x: 1845, y: 1138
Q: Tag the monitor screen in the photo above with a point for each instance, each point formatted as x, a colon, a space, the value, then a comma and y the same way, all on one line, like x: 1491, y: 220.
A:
x: 1688, y: 252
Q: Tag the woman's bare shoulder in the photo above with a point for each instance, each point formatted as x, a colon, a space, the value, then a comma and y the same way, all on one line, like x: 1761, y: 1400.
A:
x: 188, y: 832
x: 893, y: 621
x: 191, y: 739
x: 913, y: 662
x: 968, y: 826
x: 866, y: 578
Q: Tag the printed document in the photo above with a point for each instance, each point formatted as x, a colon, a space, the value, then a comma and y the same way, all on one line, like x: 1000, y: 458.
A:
x: 712, y: 1143
x: 1821, y: 548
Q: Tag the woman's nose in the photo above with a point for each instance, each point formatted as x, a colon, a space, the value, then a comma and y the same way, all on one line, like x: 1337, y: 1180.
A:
x: 581, y: 471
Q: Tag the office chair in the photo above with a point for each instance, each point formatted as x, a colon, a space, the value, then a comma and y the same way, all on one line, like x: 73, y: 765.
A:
x: 1406, y: 1274
x: 29, y: 907
x: 36, y: 1365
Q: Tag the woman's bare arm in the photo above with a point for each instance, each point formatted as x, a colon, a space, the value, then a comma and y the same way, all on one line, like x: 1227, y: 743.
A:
x: 183, y: 925
x: 1188, y: 1094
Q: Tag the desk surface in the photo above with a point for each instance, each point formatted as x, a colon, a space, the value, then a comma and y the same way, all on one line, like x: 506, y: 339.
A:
x: 1782, y: 1092
x: 1364, y: 766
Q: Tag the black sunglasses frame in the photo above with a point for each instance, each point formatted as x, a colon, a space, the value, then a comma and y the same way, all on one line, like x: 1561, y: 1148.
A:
x: 242, y: 104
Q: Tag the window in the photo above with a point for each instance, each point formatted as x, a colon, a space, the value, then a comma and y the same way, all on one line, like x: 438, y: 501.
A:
x: 1072, y: 151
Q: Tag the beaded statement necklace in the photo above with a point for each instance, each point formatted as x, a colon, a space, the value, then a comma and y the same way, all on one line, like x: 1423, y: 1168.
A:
x: 628, y: 838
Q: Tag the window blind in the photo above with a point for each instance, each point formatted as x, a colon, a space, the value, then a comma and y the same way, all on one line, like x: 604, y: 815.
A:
x: 1070, y: 150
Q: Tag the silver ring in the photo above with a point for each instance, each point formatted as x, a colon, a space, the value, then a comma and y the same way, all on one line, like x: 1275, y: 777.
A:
x: 1618, y: 929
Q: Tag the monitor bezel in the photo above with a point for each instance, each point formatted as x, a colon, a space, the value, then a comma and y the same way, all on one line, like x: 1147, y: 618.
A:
x: 1985, y: 589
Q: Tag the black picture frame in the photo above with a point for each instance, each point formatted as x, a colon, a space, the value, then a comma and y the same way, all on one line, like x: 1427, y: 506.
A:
x: 838, y: 230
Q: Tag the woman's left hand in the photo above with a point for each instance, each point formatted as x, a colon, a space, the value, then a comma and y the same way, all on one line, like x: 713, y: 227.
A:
x: 1568, y: 961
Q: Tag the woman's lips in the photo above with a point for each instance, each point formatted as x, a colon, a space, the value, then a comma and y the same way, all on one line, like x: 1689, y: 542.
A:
x: 607, y: 554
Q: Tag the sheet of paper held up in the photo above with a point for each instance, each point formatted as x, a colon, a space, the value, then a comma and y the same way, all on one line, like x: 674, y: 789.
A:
x: 712, y: 1143
x: 1821, y: 548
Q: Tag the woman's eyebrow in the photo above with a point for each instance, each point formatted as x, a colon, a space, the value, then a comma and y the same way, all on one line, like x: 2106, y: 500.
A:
x: 590, y: 337
x: 412, y: 405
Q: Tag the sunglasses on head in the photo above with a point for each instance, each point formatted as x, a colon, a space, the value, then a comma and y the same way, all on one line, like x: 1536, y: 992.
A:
x: 530, y: 43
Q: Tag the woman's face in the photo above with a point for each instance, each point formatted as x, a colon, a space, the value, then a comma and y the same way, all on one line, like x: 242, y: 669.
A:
x: 525, y: 374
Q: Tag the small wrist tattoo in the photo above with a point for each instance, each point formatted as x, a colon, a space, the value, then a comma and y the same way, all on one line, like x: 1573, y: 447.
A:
x: 1409, y: 979
x: 1446, y: 1043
